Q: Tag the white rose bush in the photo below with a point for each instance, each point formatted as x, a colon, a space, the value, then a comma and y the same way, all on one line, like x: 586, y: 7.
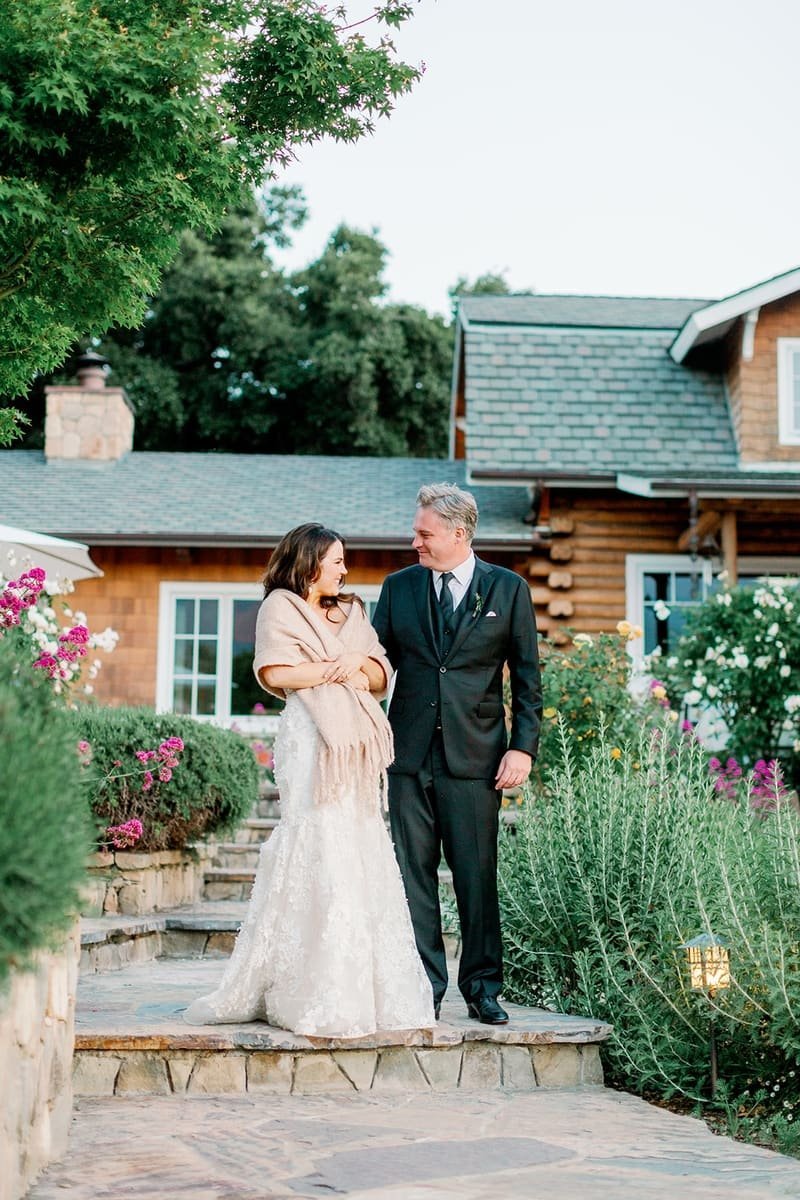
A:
x: 739, y: 656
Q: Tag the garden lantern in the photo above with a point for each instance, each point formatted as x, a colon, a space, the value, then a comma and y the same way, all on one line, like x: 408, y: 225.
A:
x: 709, y: 963
x: 709, y: 966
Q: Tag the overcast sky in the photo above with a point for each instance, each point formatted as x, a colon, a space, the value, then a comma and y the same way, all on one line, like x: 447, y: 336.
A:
x: 632, y: 147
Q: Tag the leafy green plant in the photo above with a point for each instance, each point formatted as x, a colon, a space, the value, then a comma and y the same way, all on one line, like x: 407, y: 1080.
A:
x: 612, y: 869
x: 585, y: 688
x: 45, y: 831
x: 212, y: 789
x: 740, y: 657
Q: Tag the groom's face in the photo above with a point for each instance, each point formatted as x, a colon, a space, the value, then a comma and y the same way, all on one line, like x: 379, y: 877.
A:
x: 438, y: 545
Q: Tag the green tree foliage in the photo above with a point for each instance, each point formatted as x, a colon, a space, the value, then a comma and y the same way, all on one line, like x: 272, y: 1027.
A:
x: 488, y: 284
x: 125, y: 122
x: 376, y: 378
x: 237, y: 355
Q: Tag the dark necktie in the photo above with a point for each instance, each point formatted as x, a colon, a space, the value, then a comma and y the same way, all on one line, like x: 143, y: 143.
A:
x: 446, y: 600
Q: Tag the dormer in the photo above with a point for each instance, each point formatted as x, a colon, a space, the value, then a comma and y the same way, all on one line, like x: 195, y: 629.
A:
x: 756, y: 336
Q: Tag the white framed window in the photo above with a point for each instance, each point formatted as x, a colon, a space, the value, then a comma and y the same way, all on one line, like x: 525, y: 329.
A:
x: 789, y: 391
x: 661, y: 588
x: 206, y: 633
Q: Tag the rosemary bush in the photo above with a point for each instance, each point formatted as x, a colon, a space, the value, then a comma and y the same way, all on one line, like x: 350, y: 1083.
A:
x: 609, y: 872
x: 45, y: 834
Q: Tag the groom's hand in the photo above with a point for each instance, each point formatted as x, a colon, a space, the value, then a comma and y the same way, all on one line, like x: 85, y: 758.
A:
x: 515, y: 767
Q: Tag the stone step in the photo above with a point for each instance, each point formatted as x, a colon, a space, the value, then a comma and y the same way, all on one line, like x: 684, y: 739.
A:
x: 195, y: 931
x: 130, y: 1039
x: 256, y: 829
x: 228, y: 883
x: 204, y: 930
x: 268, y: 804
x: 236, y: 883
x: 236, y: 856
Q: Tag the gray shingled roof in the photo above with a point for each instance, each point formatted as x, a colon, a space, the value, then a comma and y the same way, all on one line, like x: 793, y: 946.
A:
x: 589, y: 400
x: 606, y: 312
x: 238, y: 498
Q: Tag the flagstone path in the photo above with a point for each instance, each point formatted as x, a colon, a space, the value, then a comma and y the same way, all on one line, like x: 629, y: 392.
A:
x: 585, y: 1144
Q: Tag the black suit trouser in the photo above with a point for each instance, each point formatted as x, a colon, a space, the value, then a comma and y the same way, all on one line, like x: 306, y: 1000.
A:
x: 432, y: 813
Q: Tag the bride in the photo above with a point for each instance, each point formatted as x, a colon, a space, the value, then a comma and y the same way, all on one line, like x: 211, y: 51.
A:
x: 326, y: 948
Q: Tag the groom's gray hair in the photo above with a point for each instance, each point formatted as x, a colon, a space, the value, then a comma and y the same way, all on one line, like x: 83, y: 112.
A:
x: 455, y: 506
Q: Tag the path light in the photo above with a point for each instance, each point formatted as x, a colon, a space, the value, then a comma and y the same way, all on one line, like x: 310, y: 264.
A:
x: 709, y: 966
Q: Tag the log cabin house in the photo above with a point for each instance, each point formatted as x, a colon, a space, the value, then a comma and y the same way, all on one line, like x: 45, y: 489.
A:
x: 660, y: 440
x: 622, y: 451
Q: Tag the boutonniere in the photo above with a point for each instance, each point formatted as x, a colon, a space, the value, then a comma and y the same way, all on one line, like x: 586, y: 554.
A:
x: 476, y: 612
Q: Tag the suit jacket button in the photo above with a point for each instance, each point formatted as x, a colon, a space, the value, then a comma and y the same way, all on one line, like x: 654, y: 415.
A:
x: 442, y: 670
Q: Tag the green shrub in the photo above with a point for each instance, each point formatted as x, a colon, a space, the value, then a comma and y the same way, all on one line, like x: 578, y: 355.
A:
x: 739, y: 655
x: 211, y: 790
x: 585, y: 686
x: 618, y: 864
x: 45, y: 831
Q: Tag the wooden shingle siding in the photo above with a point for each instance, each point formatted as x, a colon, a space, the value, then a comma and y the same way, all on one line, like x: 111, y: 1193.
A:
x: 753, y: 386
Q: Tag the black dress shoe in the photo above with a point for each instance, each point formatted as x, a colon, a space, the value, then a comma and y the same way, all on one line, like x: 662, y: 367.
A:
x: 437, y: 1008
x: 487, y: 1010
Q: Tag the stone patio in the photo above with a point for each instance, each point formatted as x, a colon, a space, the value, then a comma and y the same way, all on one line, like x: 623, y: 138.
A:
x: 586, y: 1144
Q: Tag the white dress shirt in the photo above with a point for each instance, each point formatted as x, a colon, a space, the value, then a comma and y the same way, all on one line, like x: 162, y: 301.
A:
x: 459, y: 584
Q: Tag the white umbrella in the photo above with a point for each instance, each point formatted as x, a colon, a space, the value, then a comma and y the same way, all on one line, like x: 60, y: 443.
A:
x: 21, y: 549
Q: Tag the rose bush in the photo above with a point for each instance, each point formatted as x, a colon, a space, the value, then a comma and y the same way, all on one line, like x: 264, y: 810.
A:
x: 739, y: 657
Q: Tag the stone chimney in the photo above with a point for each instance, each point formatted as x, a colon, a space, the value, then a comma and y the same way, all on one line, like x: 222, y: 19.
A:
x: 87, y: 420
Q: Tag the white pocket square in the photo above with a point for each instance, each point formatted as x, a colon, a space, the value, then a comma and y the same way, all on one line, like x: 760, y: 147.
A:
x: 491, y: 613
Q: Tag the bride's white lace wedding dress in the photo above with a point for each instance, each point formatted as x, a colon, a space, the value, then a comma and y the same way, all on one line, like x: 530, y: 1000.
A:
x: 326, y: 948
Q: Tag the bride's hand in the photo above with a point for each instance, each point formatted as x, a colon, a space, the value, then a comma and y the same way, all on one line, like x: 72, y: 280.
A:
x: 359, y: 682
x: 344, y: 667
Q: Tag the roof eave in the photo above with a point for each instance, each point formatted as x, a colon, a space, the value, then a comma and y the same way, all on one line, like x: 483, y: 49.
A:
x: 210, y: 541
x: 731, y: 488
x: 531, y: 475
x: 711, y: 322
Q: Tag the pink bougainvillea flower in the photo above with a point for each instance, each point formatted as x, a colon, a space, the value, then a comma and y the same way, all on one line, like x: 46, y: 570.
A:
x: 147, y: 781
x: 125, y: 835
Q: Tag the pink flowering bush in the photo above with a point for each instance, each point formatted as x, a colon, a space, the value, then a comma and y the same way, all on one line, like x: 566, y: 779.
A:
x: 53, y: 651
x: 180, y: 778
x: 138, y: 778
x: 126, y: 835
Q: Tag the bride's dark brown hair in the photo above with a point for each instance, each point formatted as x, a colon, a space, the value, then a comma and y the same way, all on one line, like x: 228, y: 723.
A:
x: 295, y: 562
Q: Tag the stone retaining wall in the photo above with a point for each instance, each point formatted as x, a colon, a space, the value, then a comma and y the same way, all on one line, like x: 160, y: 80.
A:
x: 37, y: 1035
x: 130, y: 883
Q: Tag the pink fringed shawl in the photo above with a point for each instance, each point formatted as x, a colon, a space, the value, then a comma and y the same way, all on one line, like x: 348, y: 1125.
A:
x: 356, y: 738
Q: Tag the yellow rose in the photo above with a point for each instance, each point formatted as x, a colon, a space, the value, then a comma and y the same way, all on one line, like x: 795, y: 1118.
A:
x: 549, y: 713
x: 659, y: 692
x: 636, y: 632
x: 616, y: 752
x: 624, y: 628
x: 588, y: 700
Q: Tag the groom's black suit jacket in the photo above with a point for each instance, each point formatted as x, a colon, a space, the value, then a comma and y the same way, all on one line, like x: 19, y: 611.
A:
x: 463, y: 690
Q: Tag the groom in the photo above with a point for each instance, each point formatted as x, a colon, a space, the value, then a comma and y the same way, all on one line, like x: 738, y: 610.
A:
x: 449, y: 625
